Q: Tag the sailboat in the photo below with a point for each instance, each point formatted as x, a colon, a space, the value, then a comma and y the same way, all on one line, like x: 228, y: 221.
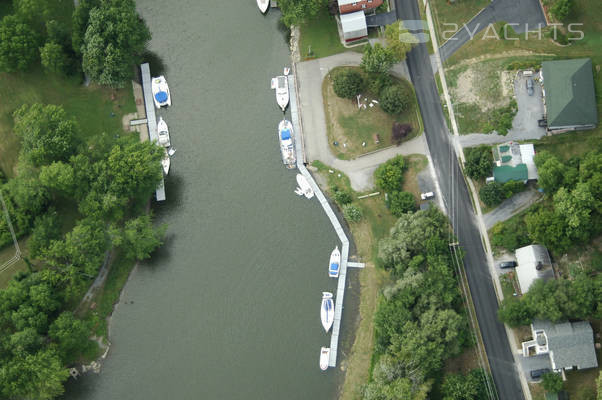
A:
x: 327, y: 311
x: 335, y: 263
x: 263, y: 5
x: 305, y: 186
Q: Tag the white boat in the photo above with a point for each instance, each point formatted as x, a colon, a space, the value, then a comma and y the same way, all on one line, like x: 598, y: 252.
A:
x: 327, y: 310
x: 165, y: 163
x: 280, y: 83
x: 287, y: 143
x: 161, y: 95
x: 324, y: 358
x: 335, y: 263
x: 298, y: 191
x: 305, y: 186
x: 163, y: 132
x: 263, y: 5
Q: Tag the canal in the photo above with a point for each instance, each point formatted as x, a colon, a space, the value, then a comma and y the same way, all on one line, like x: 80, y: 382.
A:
x: 228, y: 308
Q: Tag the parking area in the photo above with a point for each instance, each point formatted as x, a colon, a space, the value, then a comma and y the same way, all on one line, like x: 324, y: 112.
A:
x: 530, y: 108
x: 503, y: 257
x: 534, y: 363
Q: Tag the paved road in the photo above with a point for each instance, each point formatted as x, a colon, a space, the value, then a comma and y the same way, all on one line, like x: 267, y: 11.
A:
x: 459, y: 205
x: 510, y: 207
x: 525, y: 14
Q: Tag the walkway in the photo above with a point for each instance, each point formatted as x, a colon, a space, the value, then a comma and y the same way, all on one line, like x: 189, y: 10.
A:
x: 382, y: 19
x: 510, y: 207
x: 361, y: 170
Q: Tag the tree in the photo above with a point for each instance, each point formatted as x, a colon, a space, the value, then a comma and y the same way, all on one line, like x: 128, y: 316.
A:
x: 465, y: 387
x: 389, y: 176
x: 399, y: 40
x: 514, y: 312
x: 59, y: 177
x: 479, y: 162
x: 81, y: 16
x: 394, y: 99
x: 47, y: 134
x: 401, y: 203
x: 54, y: 58
x: 352, y: 213
x: 510, y: 234
x: 399, y: 132
x: 548, y: 228
x: 297, y: 11
x: 114, y: 41
x: 46, y: 228
x: 576, y: 209
x: 377, y: 59
x: 32, y: 12
x: 18, y: 45
x: 550, y: 171
x: 492, y: 194
x: 140, y: 238
x: 552, y: 382
x: 71, y: 336
x: 348, y: 83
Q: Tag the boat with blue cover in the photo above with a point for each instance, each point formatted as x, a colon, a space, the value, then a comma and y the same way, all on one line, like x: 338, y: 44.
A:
x: 327, y: 311
x: 161, y: 95
x: 335, y: 263
x: 287, y: 143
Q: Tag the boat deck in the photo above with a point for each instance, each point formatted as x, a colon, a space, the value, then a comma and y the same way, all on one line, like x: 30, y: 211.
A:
x: 151, y: 119
x: 338, y: 308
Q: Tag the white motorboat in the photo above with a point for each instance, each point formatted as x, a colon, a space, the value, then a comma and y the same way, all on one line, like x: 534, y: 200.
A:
x: 280, y: 83
x: 324, y: 358
x: 166, y: 162
x: 161, y: 95
x: 163, y: 132
x: 305, y: 186
x: 335, y: 263
x: 299, y: 191
x: 327, y: 311
x: 263, y: 5
x: 287, y: 143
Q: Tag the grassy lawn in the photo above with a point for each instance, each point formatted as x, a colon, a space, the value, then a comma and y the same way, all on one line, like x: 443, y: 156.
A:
x: 567, y: 145
x: 320, y: 37
x: 350, y: 126
x: 459, y: 12
x: 375, y: 225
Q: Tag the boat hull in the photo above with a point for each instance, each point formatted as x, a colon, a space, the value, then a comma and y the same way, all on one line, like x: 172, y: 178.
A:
x: 305, y: 186
x: 327, y: 311
x: 324, y: 358
x: 263, y: 5
x: 334, y: 266
x: 287, y: 143
x: 163, y: 131
x: 160, y: 90
x: 282, y: 95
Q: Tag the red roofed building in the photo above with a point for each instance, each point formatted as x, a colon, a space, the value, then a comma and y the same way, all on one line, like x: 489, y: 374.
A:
x: 349, y: 6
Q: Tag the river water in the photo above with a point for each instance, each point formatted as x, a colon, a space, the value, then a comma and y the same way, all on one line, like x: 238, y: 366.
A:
x: 228, y: 308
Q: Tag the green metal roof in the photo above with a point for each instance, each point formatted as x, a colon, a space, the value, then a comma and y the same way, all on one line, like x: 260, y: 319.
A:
x: 504, y: 148
x: 570, y: 93
x: 507, y: 173
x: 505, y: 159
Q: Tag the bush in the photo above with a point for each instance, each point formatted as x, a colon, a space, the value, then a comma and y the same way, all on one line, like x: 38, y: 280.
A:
x: 401, y: 203
x: 352, y: 213
x: 502, y: 118
x: 341, y: 197
x: 394, y: 99
x: 510, y: 234
x: 54, y: 58
x: 552, y: 382
x: 492, y: 194
x: 347, y: 84
x: 513, y: 187
x: 378, y: 82
x: 399, y: 132
x: 389, y: 176
x: 479, y: 162
x: 561, y: 9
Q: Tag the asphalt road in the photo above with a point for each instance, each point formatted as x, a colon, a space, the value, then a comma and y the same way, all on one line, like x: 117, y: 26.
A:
x: 459, y: 206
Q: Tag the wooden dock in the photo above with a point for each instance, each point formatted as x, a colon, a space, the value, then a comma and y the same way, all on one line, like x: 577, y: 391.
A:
x: 151, y: 119
x: 338, y: 308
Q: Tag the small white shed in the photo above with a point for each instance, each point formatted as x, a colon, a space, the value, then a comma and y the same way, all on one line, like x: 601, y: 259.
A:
x: 354, y: 26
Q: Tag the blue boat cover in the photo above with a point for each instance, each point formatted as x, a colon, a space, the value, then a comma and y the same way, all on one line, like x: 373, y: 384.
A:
x: 161, y: 97
x: 334, y: 267
x: 285, y: 134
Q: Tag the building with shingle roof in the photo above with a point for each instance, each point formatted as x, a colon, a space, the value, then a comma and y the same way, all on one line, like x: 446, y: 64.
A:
x: 533, y: 262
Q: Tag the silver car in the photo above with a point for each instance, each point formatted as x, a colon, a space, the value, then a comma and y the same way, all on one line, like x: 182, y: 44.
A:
x: 530, y: 86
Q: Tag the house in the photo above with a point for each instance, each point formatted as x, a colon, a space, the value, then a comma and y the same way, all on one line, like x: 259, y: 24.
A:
x: 569, y: 95
x: 514, y: 162
x: 349, y: 6
x: 560, y: 347
x: 354, y: 26
x: 533, y: 263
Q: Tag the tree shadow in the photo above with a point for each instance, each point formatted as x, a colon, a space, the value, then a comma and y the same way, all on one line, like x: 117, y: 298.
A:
x: 157, y: 66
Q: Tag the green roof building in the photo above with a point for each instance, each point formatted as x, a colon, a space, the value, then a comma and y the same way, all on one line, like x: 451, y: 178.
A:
x: 507, y: 173
x: 570, y: 98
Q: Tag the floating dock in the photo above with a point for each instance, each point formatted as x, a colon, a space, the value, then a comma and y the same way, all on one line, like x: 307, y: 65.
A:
x: 151, y: 119
x: 338, y: 308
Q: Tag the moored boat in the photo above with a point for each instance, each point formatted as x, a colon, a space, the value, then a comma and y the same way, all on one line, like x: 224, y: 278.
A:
x: 263, y: 5
x: 287, y: 143
x: 335, y: 263
x: 327, y: 311
x: 166, y: 163
x: 163, y: 132
x: 161, y: 95
x: 305, y: 186
x: 280, y: 83
x: 324, y: 358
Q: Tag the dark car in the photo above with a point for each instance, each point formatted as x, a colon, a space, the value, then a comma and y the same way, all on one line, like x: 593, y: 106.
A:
x: 538, y: 373
x: 508, y: 264
x: 530, y: 86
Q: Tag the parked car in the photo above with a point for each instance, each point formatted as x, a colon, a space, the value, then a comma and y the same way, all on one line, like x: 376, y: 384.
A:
x: 530, y: 86
x: 508, y: 264
x: 538, y: 373
x: 427, y: 195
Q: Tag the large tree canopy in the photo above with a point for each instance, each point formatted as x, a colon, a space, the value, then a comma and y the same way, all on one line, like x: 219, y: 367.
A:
x: 18, y: 45
x: 115, y: 38
x: 296, y: 11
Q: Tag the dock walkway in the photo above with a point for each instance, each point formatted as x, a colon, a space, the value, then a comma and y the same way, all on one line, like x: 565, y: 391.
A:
x: 151, y: 119
x: 338, y: 308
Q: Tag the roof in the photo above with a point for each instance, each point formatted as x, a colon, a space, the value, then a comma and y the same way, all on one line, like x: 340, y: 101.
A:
x: 570, y: 93
x: 570, y: 343
x: 507, y: 173
x: 528, y: 258
x: 527, y: 152
x: 352, y: 22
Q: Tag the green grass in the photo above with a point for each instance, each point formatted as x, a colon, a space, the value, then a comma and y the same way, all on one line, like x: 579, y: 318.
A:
x: 459, y: 12
x: 570, y: 144
x: 320, y: 35
x: 346, y: 124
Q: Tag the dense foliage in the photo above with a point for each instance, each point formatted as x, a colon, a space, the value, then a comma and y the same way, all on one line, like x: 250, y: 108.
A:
x: 494, y: 193
x: 348, y: 83
x: 401, y: 203
x: 389, y: 175
x: 501, y: 119
x: 352, y: 213
x: 399, y: 132
x: 395, y: 99
x: 552, y: 382
x: 399, y: 40
x: 479, y: 162
x: 18, y: 45
x: 296, y: 11
x: 471, y: 386
x: 419, y: 321
x: 377, y: 59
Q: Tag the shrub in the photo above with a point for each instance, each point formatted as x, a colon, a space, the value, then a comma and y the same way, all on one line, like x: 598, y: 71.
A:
x: 401, y: 203
x: 510, y: 234
x: 502, y: 118
x: 389, y: 176
x: 341, y: 197
x: 513, y: 187
x: 378, y: 82
x: 492, y: 194
x: 347, y: 84
x: 377, y: 59
x: 400, y: 131
x: 352, y: 213
x: 394, y: 99
x: 561, y: 9
x: 479, y: 162
x: 552, y: 382
x: 54, y: 58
